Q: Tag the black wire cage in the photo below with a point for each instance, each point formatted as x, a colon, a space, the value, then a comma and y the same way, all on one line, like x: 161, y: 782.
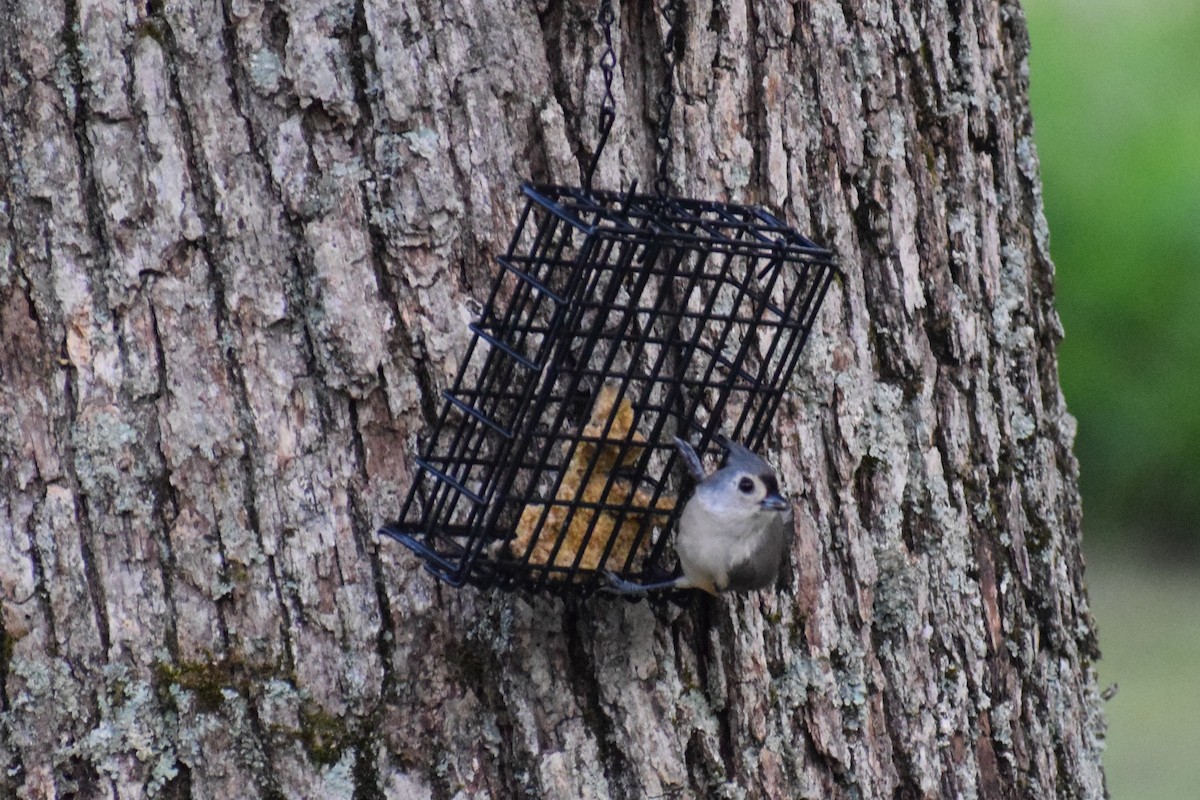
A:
x: 615, y: 322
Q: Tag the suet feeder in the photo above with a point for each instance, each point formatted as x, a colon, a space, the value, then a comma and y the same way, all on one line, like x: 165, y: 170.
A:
x: 614, y: 322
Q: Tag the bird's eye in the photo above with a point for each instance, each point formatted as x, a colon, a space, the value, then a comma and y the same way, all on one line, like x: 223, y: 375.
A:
x: 746, y: 485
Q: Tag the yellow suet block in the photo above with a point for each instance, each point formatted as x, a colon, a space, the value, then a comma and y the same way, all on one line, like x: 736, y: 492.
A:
x: 621, y: 444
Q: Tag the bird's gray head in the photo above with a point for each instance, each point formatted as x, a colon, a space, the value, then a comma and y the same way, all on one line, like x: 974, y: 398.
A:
x: 744, y: 487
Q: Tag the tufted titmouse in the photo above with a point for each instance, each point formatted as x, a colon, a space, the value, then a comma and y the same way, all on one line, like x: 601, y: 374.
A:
x: 734, y: 531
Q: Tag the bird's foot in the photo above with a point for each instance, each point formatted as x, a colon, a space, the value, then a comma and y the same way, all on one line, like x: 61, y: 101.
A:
x: 618, y: 585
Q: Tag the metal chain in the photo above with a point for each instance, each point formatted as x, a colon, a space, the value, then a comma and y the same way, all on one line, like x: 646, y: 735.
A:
x: 608, y: 104
x: 665, y: 101
x: 608, y: 62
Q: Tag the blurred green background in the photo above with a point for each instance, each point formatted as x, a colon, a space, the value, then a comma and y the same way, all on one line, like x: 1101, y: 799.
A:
x: 1116, y: 104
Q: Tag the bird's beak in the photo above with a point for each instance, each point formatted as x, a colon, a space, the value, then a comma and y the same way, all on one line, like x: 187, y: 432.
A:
x: 775, y: 502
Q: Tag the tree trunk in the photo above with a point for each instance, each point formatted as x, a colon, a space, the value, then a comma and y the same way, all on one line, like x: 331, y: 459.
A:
x: 240, y: 245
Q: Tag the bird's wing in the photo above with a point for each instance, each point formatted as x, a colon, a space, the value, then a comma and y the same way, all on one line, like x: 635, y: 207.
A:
x: 750, y: 574
x: 756, y: 563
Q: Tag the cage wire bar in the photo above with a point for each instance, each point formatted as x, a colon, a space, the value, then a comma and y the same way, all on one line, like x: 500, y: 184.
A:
x: 614, y: 322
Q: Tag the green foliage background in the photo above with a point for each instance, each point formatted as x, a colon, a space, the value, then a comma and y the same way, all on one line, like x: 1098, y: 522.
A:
x: 1116, y: 103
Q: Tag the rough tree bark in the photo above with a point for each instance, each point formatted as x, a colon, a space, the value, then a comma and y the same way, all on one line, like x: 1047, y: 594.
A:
x: 238, y: 245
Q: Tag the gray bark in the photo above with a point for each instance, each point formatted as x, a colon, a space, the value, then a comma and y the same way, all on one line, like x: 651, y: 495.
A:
x: 238, y: 246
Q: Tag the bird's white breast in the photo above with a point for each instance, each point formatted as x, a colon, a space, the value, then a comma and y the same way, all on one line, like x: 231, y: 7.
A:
x: 711, y: 539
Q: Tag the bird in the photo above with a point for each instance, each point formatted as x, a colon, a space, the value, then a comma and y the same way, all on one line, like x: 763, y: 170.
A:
x: 733, y: 532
